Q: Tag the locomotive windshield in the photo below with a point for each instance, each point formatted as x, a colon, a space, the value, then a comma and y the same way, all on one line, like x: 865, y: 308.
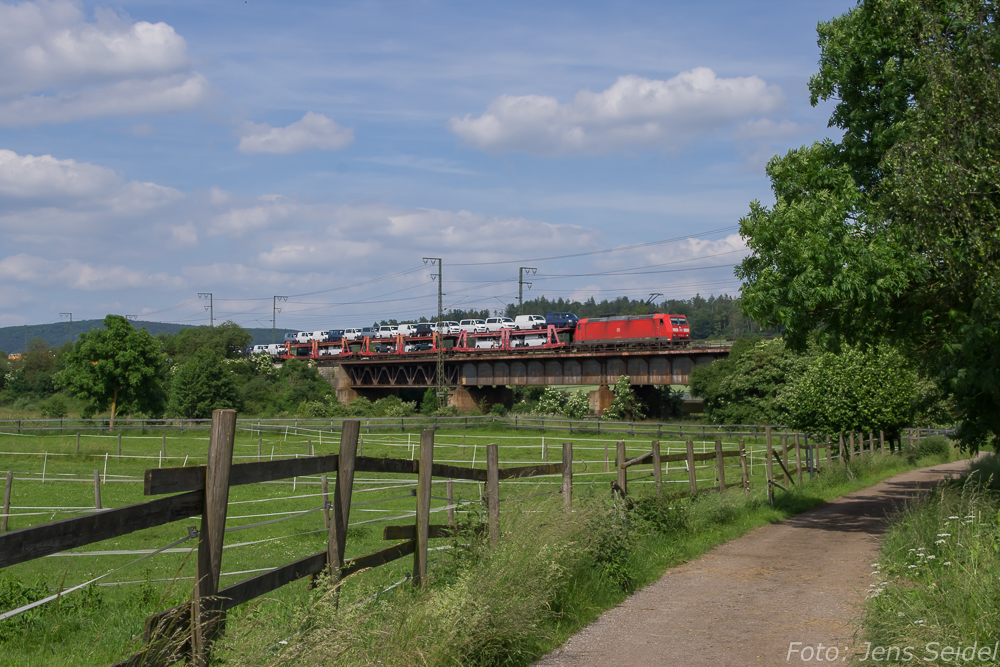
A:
x: 678, y: 321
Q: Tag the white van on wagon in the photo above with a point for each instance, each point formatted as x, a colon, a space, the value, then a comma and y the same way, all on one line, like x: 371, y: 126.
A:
x: 495, y: 324
x: 529, y: 322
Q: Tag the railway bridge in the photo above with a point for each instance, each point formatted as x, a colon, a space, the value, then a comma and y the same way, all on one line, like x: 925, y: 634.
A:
x: 477, y: 376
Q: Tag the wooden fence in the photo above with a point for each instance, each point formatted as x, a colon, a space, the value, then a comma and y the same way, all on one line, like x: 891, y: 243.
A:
x: 514, y: 422
x: 189, y: 629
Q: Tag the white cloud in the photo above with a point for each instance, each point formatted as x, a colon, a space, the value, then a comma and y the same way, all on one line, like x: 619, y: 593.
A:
x: 633, y: 113
x: 66, y: 206
x: 313, y: 132
x: 269, y: 210
x: 50, y: 179
x: 55, y: 66
x: 74, y: 274
x: 387, y: 234
x: 184, y: 235
x: 765, y: 128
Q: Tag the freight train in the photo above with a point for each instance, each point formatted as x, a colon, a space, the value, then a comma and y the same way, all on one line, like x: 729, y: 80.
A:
x: 559, y: 331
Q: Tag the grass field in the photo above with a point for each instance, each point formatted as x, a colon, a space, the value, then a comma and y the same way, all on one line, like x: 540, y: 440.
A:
x: 103, y: 623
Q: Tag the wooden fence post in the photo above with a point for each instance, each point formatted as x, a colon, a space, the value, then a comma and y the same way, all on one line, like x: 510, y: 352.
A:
x: 309, y: 447
x: 881, y: 442
x: 720, y: 465
x: 325, y: 486
x: 77, y: 444
x: 622, y: 472
x: 840, y: 438
x: 260, y: 441
x: 97, y: 489
x: 657, y: 469
x: 545, y: 451
x: 769, y: 465
x: 692, y: 478
x: 784, y: 457
x: 119, y: 445
x: 423, y: 506
x: 871, y: 441
x: 341, y: 514
x: 163, y: 446
x: 207, y: 613
x: 798, y: 459
x: 449, y: 494
x: 743, y: 468
x: 6, y: 501
x: 850, y: 447
x: 493, y: 490
x: 567, y: 476
x: 829, y: 453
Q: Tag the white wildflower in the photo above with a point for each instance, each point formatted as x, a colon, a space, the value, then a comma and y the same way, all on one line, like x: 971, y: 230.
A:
x: 939, y: 542
x: 947, y: 562
x: 944, y: 534
x: 912, y: 566
x: 931, y: 557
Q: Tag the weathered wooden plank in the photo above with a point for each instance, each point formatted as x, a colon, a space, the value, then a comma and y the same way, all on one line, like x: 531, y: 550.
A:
x: 264, y: 583
x: 458, y: 472
x: 421, y: 529
x: 692, y: 475
x: 27, y: 544
x: 620, y: 466
x: 657, y: 466
x: 382, y: 557
x: 192, y: 478
x: 637, y: 460
x: 409, y: 532
x: 720, y: 469
x: 567, y: 473
x: 493, y: 490
x: 208, y: 615
x: 531, y: 471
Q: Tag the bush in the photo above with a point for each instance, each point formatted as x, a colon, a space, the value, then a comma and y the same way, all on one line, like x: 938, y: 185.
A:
x: 429, y: 403
x: 936, y: 445
x: 499, y: 409
x: 625, y: 406
x: 393, y: 406
x: 577, y: 405
x: 54, y: 408
x: 552, y: 401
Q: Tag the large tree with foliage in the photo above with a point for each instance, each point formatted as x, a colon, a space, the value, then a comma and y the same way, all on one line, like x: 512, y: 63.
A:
x: 872, y: 389
x: 116, y: 368
x: 201, y: 385
x: 893, y: 232
x: 228, y: 340
x: 749, y: 386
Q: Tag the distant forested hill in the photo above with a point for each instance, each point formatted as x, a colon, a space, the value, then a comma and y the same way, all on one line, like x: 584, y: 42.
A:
x: 14, y: 339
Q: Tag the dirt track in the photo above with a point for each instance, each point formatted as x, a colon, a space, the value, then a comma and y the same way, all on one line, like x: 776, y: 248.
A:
x: 801, y: 580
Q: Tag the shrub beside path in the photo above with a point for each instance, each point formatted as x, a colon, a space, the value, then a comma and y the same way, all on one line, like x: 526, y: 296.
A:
x: 801, y: 580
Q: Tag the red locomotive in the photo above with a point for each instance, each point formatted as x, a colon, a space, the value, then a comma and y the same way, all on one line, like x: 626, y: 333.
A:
x: 657, y: 327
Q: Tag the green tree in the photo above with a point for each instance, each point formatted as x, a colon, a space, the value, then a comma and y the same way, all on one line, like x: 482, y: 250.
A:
x: 298, y: 382
x: 116, y: 368
x: 37, y: 365
x: 201, y: 385
x: 893, y: 233
x: 625, y: 406
x: 749, y: 386
x: 855, y: 390
x: 429, y: 404
x: 228, y: 340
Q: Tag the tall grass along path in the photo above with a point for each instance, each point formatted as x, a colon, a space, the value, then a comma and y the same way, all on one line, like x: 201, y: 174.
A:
x: 743, y: 603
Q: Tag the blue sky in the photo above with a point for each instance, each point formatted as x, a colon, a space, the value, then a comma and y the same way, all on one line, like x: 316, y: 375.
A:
x: 150, y: 151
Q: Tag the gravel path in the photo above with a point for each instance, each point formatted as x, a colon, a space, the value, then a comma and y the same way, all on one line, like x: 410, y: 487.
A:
x: 801, y: 580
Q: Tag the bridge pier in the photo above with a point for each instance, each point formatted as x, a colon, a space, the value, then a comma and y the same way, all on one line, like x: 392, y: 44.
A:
x: 468, y: 398
x: 600, y: 400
